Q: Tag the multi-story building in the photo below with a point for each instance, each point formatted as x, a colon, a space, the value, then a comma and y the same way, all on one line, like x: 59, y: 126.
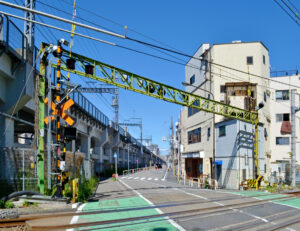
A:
x: 215, y: 73
x: 280, y: 135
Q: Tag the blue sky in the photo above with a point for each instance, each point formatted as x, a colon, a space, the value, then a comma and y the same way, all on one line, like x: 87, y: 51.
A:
x: 183, y: 25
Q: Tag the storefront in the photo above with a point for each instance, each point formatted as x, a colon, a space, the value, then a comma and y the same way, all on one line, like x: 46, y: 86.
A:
x: 193, y: 164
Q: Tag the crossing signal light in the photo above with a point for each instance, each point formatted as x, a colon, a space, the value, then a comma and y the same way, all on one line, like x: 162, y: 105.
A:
x: 89, y: 69
x: 71, y: 63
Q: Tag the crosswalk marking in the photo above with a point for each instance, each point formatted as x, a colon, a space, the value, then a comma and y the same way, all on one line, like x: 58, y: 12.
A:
x: 143, y: 178
x: 163, y: 179
x: 136, y: 178
x: 129, y: 177
x: 156, y: 179
x: 149, y: 178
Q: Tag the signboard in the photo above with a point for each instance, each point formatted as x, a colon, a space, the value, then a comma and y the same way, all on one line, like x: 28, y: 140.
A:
x: 193, y: 155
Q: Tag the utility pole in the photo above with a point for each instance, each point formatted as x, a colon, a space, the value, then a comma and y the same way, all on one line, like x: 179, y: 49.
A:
x: 29, y: 26
x: 172, y: 143
x: 115, y: 104
x: 294, y: 109
x: 41, y: 115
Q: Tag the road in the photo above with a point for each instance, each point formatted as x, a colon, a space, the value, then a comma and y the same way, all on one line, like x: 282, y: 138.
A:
x: 152, y: 200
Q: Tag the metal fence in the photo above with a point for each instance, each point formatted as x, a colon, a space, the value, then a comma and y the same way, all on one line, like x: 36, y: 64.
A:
x: 18, y: 170
x: 14, y: 41
x: 283, y: 73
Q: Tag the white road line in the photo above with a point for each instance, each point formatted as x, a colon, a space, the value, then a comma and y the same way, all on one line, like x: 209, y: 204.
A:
x: 163, y: 179
x: 75, y: 218
x: 157, y: 209
x: 165, y: 175
x: 156, y: 179
x: 149, y: 178
x: 129, y: 177
x: 143, y: 178
x: 136, y: 178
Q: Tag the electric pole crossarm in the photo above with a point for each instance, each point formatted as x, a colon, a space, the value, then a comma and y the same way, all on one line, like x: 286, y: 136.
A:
x: 129, y: 81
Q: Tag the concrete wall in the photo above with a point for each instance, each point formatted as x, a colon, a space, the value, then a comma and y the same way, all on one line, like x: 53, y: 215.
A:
x: 235, y: 152
x: 281, y: 153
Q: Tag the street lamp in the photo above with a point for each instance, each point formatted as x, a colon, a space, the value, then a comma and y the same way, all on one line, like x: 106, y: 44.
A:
x: 213, y: 129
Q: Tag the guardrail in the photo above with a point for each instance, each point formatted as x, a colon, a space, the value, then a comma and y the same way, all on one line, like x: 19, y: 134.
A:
x: 14, y: 41
x: 135, y: 170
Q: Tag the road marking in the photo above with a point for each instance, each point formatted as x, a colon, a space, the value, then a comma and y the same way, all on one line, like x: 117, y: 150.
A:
x: 156, y: 179
x: 129, y: 177
x: 157, y: 209
x: 165, y: 175
x: 163, y: 179
x: 149, y: 178
x: 143, y: 178
x: 75, y: 218
x: 136, y: 178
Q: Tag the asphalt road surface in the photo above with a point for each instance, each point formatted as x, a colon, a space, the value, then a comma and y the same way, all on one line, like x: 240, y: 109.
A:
x: 161, y: 204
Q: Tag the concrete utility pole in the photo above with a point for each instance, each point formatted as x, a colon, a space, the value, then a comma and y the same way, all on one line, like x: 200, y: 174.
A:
x: 294, y: 109
x: 115, y: 104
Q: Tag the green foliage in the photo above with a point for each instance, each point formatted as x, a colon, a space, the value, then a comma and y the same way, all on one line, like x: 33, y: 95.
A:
x: 113, y: 179
x: 6, y: 205
x: 86, y: 189
x: 26, y: 203
x: 68, y: 190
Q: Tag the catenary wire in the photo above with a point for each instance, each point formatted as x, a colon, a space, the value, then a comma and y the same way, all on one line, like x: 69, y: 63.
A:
x: 295, y: 20
x: 127, y: 48
x: 124, y: 37
x: 293, y: 5
x: 295, y: 14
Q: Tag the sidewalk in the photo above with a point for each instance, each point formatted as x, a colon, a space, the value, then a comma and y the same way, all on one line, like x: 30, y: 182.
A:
x: 109, y: 189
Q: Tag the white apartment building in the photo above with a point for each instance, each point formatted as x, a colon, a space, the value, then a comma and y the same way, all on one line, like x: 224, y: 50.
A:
x: 228, y: 86
x: 280, y: 136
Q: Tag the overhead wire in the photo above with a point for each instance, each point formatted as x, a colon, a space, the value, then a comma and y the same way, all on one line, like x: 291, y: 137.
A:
x: 295, y: 14
x: 148, y: 44
x: 295, y: 20
x: 293, y: 5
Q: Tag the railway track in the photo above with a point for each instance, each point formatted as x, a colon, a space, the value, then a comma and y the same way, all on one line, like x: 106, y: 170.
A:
x: 23, y: 220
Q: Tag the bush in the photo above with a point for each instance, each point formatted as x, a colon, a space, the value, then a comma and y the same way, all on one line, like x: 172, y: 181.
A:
x: 6, y: 205
x: 86, y: 189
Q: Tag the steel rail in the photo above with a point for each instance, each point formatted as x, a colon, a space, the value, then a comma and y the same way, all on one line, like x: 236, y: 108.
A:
x: 171, y: 214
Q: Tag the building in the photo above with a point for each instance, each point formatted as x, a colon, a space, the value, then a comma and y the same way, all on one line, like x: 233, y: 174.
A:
x: 206, y: 75
x: 280, y: 133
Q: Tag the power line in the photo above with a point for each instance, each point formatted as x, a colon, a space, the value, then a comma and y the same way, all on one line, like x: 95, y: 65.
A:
x: 295, y: 20
x: 290, y: 9
x: 141, y: 52
x: 293, y: 6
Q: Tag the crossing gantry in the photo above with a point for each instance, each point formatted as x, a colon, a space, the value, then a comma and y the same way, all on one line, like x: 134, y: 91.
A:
x: 99, y: 71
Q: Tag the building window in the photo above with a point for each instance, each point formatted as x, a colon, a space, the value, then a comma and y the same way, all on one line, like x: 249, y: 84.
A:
x: 192, y: 111
x: 194, y: 136
x: 208, y: 132
x: 192, y: 79
x: 265, y: 96
x: 249, y: 60
x: 222, y: 130
x: 282, y: 95
x: 282, y: 140
x: 264, y: 59
x: 223, y: 89
x: 282, y: 117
